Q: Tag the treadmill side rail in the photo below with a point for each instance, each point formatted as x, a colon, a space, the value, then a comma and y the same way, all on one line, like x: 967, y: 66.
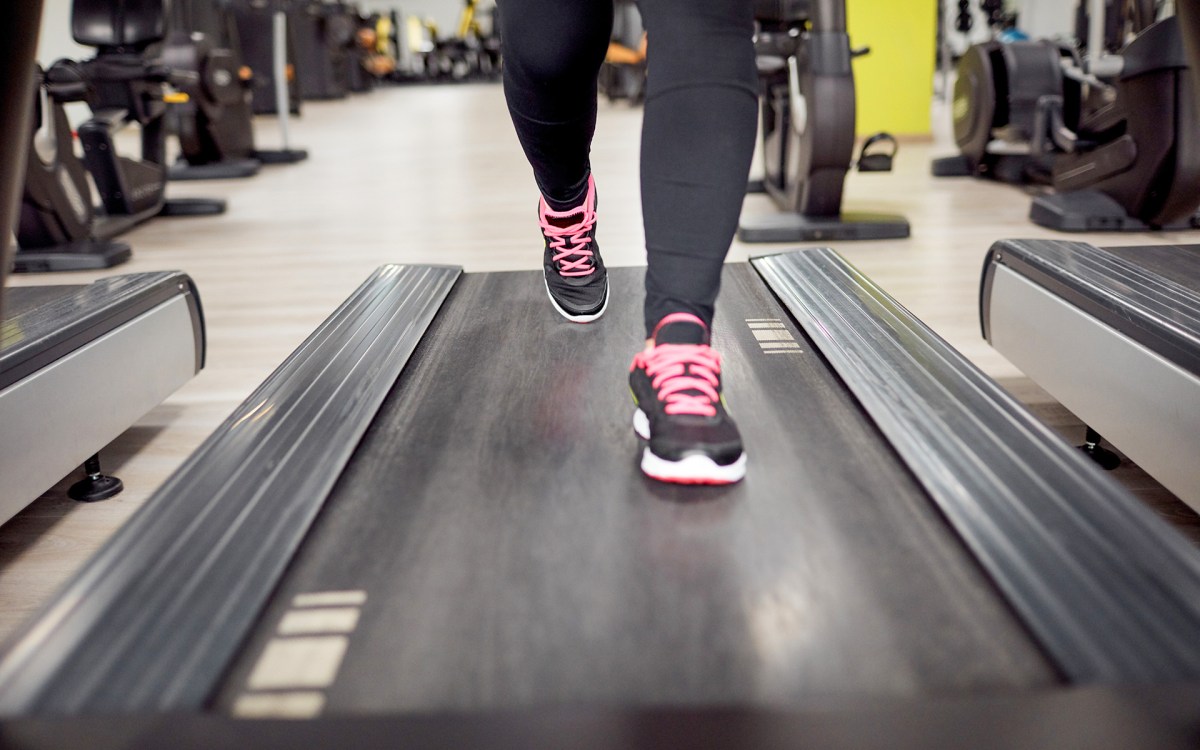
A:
x: 80, y: 364
x: 137, y: 630
x: 1158, y: 311
x: 1110, y: 591
x: 1114, y: 335
x: 52, y: 325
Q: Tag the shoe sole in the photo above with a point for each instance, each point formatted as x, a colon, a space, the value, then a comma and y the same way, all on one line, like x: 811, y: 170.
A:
x: 574, y: 318
x: 693, y: 469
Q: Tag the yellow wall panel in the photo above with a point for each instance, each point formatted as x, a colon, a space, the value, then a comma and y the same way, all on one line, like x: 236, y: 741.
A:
x: 894, y: 84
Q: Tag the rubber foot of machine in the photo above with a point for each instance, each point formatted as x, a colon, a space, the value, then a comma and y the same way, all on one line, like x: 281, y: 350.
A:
x: 193, y: 207
x: 96, y: 485
x: 282, y: 156
x: 1106, y: 459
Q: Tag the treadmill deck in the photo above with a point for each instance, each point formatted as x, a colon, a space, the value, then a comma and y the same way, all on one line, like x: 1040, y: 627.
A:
x: 511, y: 554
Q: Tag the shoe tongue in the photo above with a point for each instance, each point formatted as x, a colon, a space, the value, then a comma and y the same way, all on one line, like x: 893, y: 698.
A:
x: 566, y: 221
x: 682, y: 332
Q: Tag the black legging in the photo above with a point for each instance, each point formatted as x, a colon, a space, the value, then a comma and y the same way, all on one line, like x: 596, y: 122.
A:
x: 697, y: 134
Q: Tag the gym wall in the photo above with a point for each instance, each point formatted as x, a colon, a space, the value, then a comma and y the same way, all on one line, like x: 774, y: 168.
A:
x: 55, y: 41
x: 894, y: 83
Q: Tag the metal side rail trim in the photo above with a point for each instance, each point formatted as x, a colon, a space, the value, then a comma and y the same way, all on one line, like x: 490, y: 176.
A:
x: 33, y: 339
x: 151, y: 622
x: 1109, y: 590
x: 1156, y: 312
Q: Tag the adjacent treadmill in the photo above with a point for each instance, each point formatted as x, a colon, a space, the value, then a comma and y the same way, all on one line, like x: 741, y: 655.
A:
x: 428, y: 526
x: 78, y: 364
x: 1114, y: 335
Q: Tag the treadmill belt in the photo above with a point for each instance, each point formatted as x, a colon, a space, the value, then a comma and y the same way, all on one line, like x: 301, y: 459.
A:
x: 493, y: 544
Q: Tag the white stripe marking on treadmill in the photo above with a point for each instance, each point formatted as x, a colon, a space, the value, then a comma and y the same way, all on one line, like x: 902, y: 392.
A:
x: 316, y: 621
x: 772, y: 336
x: 331, y: 599
x: 303, y: 658
x: 310, y: 662
x: 306, y: 704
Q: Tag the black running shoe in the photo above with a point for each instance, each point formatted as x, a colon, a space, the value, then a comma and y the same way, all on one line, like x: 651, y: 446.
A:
x: 681, y: 412
x: 576, y: 279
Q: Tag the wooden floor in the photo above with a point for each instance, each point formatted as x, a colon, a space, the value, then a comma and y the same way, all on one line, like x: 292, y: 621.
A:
x: 435, y: 175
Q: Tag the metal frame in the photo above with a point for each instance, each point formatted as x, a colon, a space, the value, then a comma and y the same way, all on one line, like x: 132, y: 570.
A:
x: 151, y: 621
x: 1110, y: 591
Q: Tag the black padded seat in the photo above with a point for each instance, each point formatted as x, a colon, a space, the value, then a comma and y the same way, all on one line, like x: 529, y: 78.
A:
x: 119, y: 24
x: 782, y: 11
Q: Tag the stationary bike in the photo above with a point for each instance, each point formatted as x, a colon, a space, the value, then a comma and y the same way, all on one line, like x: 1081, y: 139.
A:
x: 57, y: 227
x: 214, y: 126
x: 123, y: 84
x: 808, y: 113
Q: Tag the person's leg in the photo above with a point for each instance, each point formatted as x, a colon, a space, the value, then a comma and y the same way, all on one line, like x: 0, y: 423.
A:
x: 553, y: 50
x: 697, y: 142
x: 698, y: 136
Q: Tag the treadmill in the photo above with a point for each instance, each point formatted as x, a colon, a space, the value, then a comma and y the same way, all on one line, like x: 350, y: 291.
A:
x: 428, y: 526
x: 1114, y: 335
x: 79, y: 364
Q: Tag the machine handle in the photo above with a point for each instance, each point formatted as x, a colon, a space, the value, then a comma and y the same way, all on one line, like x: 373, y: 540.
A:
x: 64, y: 81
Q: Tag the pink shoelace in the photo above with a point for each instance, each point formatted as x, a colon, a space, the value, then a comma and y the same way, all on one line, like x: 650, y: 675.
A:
x: 686, y: 377
x: 572, y: 254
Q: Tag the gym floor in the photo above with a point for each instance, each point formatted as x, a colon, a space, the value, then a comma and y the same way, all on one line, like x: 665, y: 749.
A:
x: 435, y: 175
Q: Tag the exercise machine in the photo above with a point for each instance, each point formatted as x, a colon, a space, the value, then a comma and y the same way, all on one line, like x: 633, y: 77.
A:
x: 256, y: 21
x: 79, y: 364
x: 1112, y: 333
x: 411, y: 553
x: 808, y: 114
x: 623, y: 74
x: 1131, y: 161
x: 375, y: 542
x: 214, y: 125
x: 124, y: 84
x: 1113, y: 135
x: 265, y: 36
x: 323, y: 33
x: 472, y: 53
x: 58, y: 227
x: 995, y: 105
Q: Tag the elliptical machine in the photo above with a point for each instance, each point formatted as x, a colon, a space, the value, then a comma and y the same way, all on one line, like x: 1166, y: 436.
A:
x: 1129, y: 159
x: 1115, y: 136
x: 808, y: 113
x: 124, y: 83
x: 994, y: 107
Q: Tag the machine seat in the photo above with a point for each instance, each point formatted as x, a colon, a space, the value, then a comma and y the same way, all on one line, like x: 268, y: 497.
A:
x: 118, y: 25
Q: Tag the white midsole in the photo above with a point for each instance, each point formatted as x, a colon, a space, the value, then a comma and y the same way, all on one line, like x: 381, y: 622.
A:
x: 689, y: 467
x: 577, y: 318
x: 694, y: 467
